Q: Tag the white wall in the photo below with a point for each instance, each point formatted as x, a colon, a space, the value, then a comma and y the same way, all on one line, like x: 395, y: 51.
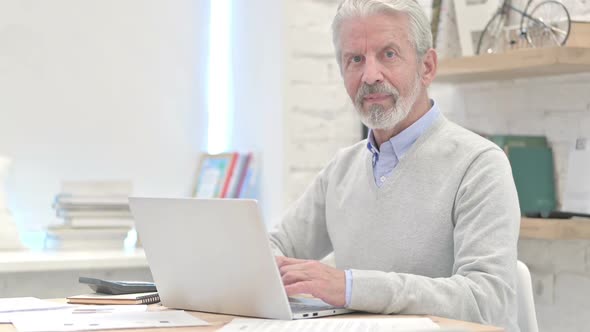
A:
x: 100, y: 89
x: 257, y: 86
x: 318, y: 115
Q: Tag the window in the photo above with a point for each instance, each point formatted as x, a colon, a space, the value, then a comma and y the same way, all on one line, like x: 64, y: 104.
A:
x: 219, y: 85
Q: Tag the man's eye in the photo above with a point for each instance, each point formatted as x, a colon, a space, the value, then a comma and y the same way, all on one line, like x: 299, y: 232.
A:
x: 390, y: 54
x: 357, y: 58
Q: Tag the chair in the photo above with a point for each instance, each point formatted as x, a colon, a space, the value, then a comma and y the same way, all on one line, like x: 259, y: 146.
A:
x: 329, y: 260
x: 527, y: 318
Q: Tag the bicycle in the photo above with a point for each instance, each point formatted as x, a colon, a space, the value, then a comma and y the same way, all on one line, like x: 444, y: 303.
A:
x: 548, y: 23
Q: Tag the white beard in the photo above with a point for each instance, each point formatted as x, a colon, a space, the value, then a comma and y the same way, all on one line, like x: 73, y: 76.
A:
x: 377, y: 117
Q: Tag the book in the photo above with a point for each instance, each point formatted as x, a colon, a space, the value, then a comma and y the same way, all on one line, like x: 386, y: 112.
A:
x: 91, y: 207
x: 93, y: 199
x: 236, y: 176
x: 97, y: 298
x: 242, y: 175
x: 229, y: 175
x: 63, y: 200
x: 533, y: 172
x: 93, y: 214
x: 99, y: 222
x: 88, y: 234
x: 249, y: 183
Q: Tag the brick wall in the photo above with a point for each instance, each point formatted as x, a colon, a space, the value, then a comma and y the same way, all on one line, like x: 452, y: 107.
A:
x: 559, y: 108
x: 319, y: 119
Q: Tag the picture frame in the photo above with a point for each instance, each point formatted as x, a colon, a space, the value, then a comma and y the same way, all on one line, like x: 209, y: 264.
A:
x: 213, y: 175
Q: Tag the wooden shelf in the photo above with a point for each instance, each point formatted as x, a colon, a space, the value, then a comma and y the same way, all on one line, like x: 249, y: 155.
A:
x: 555, y: 229
x: 515, y: 64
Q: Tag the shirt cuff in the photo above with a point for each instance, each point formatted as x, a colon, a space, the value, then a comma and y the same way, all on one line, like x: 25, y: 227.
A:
x: 348, y: 274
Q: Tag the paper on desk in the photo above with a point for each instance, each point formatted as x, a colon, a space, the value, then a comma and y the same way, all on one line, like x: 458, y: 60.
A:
x: 106, y: 309
x: 9, y: 307
x: 28, y: 303
x: 8, y: 317
x: 389, y: 324
x: 122, y: 320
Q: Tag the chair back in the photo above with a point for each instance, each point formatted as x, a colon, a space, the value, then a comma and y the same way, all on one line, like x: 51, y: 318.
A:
x: 527, y: 318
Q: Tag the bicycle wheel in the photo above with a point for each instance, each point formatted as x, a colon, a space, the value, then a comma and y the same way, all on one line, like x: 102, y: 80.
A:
x: 529, y: 5
x: 548, y: 24
x: 492, y: 36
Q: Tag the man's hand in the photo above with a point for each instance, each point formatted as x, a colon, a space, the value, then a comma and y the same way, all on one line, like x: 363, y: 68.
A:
x: 302, y: 276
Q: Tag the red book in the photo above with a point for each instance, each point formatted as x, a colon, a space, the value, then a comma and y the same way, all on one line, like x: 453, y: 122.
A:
x: 243, y: 175
x: 229, y: 175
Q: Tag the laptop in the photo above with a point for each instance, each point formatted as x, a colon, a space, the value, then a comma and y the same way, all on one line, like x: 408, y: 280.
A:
x: 214, y: 255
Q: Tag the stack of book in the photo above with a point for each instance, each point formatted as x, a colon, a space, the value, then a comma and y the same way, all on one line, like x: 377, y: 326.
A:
x: 93, y: 215
x: 227, y: 175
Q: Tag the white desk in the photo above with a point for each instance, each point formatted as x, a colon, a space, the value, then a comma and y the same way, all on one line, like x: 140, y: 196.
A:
x: 55, y: 274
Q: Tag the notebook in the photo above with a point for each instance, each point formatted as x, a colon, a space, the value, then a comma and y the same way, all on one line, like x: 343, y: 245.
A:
x: 97, y: 298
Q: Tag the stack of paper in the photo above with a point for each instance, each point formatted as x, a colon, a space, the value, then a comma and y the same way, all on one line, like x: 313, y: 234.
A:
x: 100, y: 321
x: 390, y: 324
x: 29, y: 314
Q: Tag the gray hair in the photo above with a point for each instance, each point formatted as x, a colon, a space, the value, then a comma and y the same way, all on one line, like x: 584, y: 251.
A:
x: 420, y: 30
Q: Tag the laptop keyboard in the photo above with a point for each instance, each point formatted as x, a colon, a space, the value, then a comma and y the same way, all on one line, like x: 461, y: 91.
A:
x: 306, y: 305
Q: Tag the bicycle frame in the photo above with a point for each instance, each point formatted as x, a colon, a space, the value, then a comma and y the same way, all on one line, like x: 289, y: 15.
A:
x: 507, y: 6
x: 534, y: 25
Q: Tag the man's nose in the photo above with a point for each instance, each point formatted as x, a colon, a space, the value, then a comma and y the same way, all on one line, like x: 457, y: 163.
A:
x: 372, y: 73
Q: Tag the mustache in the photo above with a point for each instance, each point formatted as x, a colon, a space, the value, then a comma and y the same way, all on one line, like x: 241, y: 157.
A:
x: 380, y: 88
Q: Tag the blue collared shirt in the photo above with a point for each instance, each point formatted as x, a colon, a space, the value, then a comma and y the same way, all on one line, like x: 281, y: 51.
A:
x: 387, y: 156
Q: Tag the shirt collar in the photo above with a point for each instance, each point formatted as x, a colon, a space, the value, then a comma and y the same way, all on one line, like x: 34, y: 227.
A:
x: 401, y: 142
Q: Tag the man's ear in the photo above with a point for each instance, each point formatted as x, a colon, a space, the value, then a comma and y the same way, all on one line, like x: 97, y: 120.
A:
x: 429, y: 66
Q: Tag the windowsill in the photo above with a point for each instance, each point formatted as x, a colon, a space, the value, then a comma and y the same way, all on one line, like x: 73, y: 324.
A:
x: 33, y: 261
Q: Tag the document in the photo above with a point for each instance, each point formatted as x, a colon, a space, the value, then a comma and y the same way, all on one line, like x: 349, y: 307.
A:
x: 9, y: 307
x: 8, y: 317
x: 390, y: 324
x: 576, y: 197
x: 14, y: 304
x: 122, y: 320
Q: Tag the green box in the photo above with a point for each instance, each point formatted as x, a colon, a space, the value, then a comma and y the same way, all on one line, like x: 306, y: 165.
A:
x: 533, y: 171
x: 508, y: 141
